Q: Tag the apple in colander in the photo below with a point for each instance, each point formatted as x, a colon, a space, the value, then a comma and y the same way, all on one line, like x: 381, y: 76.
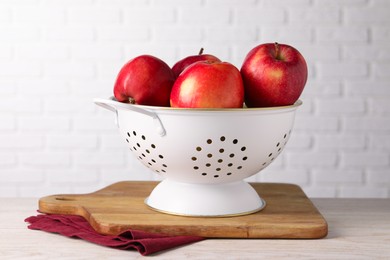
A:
x: 179, y: 66
x: 144, y: 80
x: 207, y: 84
x: 274, y: 75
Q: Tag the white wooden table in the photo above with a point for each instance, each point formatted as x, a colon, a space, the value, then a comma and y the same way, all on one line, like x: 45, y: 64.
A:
x: 358, y: 229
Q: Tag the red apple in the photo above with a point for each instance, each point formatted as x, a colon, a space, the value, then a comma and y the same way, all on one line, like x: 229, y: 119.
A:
x: 144, y: 80
x: 208, y: 85
x: 184, y: 63
x: 274, y: 75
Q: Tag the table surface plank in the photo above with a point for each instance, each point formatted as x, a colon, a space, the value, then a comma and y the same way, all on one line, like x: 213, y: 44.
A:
x: 358, y: 229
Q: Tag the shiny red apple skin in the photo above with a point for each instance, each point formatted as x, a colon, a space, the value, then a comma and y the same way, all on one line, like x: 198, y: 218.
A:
x: 208, y: 85
x: 144, y: 80
x: 181, y: 65
x: 274, y: 75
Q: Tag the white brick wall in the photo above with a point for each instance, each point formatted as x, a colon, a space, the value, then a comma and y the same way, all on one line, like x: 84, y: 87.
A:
x: 57, y: 55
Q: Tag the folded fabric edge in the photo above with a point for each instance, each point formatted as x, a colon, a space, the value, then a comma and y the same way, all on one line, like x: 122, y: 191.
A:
x: 77, y: 227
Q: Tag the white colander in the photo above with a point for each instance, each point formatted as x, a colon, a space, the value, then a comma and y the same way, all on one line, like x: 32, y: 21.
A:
x: 204, y: 155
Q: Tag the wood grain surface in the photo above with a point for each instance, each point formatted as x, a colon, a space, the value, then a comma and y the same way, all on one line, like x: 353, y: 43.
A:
x: 289, y: 213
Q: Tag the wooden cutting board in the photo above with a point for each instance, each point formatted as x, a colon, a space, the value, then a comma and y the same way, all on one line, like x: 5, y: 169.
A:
x: 289, y: 213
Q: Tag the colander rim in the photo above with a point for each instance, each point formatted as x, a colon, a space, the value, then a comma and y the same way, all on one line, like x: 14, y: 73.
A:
x: 296, y: 104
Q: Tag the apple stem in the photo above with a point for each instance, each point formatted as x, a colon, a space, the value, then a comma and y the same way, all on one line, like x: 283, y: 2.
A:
x: 201, y: 51
x: 277, y: 50
x: 131, y: 100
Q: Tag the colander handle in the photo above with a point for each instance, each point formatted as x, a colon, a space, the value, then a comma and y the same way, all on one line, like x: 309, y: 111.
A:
x: 113, y: 106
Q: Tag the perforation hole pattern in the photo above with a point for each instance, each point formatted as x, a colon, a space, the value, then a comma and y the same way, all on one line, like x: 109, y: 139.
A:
x: 277, y: 149
x: 220, y: 163
x: 227, y: 159
x: 146, y: 152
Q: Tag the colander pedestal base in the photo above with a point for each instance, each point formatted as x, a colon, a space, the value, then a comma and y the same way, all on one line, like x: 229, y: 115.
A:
x: 205, y: 200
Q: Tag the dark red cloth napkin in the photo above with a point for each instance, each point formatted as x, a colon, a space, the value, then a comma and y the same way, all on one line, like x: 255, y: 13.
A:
x: 77, y: 227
